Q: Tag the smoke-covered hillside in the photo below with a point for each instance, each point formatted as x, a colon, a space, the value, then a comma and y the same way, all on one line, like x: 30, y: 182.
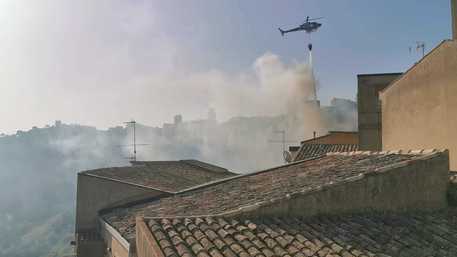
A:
x: 37, y: 183
x: 38, y: 167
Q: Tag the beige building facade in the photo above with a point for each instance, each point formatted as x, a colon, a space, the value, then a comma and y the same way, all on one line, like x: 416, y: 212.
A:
x: 419, y: 110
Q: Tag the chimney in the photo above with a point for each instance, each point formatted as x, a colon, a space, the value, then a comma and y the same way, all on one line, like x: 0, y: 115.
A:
x: 454, y: 18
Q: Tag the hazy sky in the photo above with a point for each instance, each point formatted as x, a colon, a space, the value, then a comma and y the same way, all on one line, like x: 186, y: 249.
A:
x: 106, y: 61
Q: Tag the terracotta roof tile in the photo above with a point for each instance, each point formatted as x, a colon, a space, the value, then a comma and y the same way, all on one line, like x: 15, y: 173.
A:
x: 414, y: 234
x: 308, y: 151
x: 246, y: 192
x: 170, y: 176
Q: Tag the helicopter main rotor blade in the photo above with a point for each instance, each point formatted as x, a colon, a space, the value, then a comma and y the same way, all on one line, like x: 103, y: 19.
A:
x: 316, y: 19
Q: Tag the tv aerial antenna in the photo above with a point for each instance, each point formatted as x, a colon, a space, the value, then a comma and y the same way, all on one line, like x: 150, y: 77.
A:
x: 420, y: 48
x: 420, y: 45
x: 286, y: 155
x: 132, y: 124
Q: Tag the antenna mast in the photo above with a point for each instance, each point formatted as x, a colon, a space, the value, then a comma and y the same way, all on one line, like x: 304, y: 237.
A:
x: 421, y: 45
x: 283, y: 138
x: 133, y: 123
x: 283, y: 141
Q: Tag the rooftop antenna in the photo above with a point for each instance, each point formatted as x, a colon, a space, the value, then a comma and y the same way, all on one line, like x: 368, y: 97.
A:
x: 135, y: 144
x: 133, y: 123
x: 420, y: 45
x: 283, y: 141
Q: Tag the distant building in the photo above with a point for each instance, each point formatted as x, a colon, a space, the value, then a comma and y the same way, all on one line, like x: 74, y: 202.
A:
x: 101, y: 189
x: 334, y: 141
x: 341, y: 115
x: 369, y: 108
x: 178, y: 119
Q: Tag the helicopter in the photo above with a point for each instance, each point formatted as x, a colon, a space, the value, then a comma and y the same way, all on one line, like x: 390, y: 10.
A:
x: 308, y: 26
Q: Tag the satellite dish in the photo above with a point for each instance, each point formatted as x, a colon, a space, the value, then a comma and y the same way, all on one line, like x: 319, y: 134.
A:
x: 287, y: 156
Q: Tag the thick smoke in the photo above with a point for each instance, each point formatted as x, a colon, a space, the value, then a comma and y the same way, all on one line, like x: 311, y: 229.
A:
x: 272, y: 97
x: 272, y: 89
x: 105, y: 62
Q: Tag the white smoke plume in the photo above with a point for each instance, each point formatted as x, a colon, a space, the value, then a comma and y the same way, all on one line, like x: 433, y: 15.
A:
x: 103, y: 62
x: 270, y: 97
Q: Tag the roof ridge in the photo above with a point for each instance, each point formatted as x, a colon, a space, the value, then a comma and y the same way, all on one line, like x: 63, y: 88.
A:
x: 414, y: 66
x: 205, y: 165
x: 379, y: 74
x: 147, y: 169
x: 125, y: 182
x: 97, y: 169
x: 153, y: 162
x: 386, y: 152
x: 216, y: 182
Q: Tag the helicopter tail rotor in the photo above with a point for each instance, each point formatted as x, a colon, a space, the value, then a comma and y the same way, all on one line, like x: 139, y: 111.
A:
x: 282, y: 31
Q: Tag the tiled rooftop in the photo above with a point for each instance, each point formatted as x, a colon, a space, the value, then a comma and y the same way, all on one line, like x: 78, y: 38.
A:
x: 170, y: 176
x: 258, y: 189
x: 412, y: 235
x: 308, y: 151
